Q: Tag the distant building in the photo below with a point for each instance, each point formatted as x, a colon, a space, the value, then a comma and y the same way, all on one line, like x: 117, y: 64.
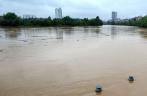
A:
x: 114, y: 15
x: 58, y: 13
x: 117, y: 20
x: 28, y: 16
x: 1, y: 17
x: 136, y: 18
x: 77, y: 19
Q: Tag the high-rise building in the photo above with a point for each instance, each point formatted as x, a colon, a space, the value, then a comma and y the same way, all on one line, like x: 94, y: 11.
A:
x: 58, y: 13
x: 114, y: 15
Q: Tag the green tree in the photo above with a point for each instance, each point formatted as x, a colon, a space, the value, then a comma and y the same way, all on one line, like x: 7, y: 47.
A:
x: 68, y: 21
x: 10, y: 19
x: 96, y: 22
x: 85, y: 22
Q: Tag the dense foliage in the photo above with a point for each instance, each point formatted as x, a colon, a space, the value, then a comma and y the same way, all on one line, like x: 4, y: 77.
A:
x: 140, y: 23
x: 11, y: 19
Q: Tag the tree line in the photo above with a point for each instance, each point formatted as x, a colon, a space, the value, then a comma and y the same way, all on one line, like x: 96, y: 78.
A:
x: 11, y: 19
x: 140, y: 23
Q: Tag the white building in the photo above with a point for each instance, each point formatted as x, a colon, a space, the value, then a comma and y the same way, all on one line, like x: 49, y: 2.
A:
x: 58, y: 13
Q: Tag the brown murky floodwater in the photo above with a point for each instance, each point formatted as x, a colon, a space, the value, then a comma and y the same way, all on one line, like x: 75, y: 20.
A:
x: 72, y: 61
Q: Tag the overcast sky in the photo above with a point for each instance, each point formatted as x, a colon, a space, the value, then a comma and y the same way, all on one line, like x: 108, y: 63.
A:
x: 76, y: 8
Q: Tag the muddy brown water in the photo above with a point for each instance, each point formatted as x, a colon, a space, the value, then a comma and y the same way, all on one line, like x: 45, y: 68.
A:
x: 72, y: 61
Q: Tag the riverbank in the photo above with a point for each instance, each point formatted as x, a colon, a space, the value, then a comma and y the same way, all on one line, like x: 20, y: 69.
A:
x: 11, y: 19
x: 140, y: 23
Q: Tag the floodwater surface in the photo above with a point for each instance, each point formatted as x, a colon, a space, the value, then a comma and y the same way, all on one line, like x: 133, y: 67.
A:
x: 72, y: 61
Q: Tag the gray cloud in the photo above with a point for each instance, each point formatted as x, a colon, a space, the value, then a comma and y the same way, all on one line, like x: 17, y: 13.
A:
x: 74, y: 8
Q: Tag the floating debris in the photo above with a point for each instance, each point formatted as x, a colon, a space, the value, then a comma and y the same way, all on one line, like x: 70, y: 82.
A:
x: 131, y: 78
x: 1, y: 50
x: 25, y: 40
x: 39, y: 36
x: 98, y: 89
x: 31, y: 43
x: 3, y: 59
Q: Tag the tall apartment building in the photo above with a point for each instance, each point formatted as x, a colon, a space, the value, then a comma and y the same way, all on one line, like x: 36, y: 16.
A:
x: 114, y: 15
x: 58, y: 13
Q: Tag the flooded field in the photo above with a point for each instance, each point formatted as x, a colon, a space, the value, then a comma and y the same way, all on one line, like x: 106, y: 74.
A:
x: 72, y: 61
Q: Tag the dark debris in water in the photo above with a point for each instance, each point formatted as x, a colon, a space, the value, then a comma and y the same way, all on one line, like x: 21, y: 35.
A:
x: 23, y: 40
x: 31, y: 43
x: 1, y: 50
x: 14, y: 46
x: 39, y: 36
x: 3, y: 59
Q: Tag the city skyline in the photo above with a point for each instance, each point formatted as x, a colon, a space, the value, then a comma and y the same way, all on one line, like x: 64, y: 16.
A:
x: 75, y: 9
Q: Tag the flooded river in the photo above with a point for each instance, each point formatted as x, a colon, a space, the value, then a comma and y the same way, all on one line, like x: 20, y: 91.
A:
x: 72, y: 61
